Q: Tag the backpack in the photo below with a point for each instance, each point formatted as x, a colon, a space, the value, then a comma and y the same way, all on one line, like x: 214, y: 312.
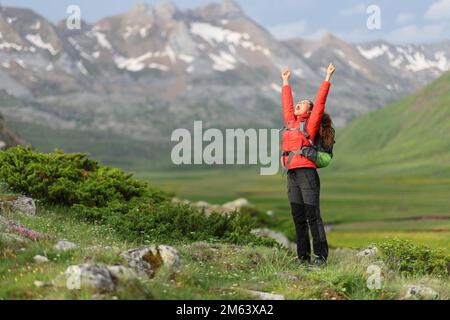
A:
x: 317, y: 152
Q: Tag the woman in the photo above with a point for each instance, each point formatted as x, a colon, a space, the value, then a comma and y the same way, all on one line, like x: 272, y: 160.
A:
x: 303, y: 179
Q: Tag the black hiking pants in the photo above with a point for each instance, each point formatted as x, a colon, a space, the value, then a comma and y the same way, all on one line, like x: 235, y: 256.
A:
x: 304, y: 196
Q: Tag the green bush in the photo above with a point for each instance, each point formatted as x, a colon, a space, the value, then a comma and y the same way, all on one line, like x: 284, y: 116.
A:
x: 410, y: 258
x: 67, y: 179
x: 106, y: 195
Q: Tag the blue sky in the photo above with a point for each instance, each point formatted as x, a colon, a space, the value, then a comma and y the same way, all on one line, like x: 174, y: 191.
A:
x: 401, y: 20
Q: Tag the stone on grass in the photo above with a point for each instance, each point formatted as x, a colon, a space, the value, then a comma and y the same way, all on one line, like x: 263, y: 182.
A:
x: 277, y: 236
x: 368, y: 252
x: 122, y: 273
x: 64, y: 245
x: 40, y: 259
x: 42, y: 284
x: 24, y: 205
x: 420, y: 292
x: 90, y: 276
x: 236, y: 205
x: 145, y: 261
x: 259, y: 295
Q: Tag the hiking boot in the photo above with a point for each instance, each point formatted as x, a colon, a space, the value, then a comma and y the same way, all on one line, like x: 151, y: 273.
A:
x: 318, y: 262
x: 304, y: 262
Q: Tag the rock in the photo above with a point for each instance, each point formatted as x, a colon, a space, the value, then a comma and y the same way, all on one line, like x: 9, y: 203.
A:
x: 24, y: 205
x: 170, y: 256
x: 12, y: 239
x: 121, y: 273
x: 236, y: 205
x: 42, y: 284
x: 368, y: 252
x: 259, y: 295
x: 277, y: 236
x: 89, y: 276
x: 145, y: 261
x: 64, y: 245
x: 420, y: 292
x: 40, y: 259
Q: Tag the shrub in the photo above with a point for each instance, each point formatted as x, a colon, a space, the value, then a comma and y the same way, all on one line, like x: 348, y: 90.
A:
x: 410, y: 258
x: 67, y: 179
x: 106, y: 195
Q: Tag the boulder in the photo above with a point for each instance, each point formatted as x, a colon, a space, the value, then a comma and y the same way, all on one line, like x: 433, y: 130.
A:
x: 64, y: 245
x: 91, y: 276
x: 40, y: 259
x: 146, y: 261
x: 24, y: 205
x: 236, y: 205
x: 368, y: 252
x: 277, y: 236
x: 420, y: 292
x: 121, y: 273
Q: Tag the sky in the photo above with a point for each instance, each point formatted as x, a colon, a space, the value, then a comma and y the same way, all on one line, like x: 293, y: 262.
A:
x: 401, y: 21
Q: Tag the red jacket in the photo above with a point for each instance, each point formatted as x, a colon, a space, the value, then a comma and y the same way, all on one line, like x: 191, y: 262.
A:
x: 294, y: 140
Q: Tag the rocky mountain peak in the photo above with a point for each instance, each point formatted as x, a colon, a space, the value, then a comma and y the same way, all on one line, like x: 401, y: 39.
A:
x: 230, y: 7
x: 165, y: 9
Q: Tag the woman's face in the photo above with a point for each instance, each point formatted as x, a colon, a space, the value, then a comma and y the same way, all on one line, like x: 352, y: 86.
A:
x: 302, y: 107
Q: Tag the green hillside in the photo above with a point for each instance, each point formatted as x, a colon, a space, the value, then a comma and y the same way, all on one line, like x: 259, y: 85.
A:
x: 409, y: 137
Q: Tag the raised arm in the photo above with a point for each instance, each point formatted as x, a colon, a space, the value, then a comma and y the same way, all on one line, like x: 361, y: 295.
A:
x: 286, y: 97
x: 319, y: 104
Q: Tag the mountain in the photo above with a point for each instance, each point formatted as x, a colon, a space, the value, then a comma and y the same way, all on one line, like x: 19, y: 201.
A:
x: 136, y: 76
x: 409, y: 136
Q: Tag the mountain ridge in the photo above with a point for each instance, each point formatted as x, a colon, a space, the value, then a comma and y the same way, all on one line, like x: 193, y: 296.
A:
x: 150, y: 70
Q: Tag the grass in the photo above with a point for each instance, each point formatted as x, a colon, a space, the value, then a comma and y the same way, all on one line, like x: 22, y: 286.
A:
x: 208, y: 271
x: 362, y: 208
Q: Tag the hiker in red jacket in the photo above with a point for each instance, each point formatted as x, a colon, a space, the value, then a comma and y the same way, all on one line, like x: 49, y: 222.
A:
x: 303, y: 179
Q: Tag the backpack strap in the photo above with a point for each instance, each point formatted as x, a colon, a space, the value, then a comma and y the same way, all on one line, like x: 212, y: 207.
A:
x: 303, y: 130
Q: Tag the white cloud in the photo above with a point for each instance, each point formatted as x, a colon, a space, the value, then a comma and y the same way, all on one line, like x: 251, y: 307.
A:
x: 440, y: 10
x: 353, y: 11
x: 413, y: 33
x: 404, y: 18
x: 289, y: 30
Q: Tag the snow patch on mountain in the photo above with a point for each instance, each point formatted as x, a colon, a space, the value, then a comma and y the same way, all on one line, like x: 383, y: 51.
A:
x: 10, y: 45
x: 186, y: 58
x: 218, y: 35
x: 82, y: 68
x: 36, y: 40
x: 223, y: 62
x: 139, y: 63
x: 21, y: 63
x: 101, y: 39
x: 418, y: 62
x: 78, y: 47
x: 374, y: 52
x: 10, y: 20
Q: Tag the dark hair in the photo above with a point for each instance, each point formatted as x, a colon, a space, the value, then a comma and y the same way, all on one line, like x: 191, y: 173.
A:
x: 326, y: 130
